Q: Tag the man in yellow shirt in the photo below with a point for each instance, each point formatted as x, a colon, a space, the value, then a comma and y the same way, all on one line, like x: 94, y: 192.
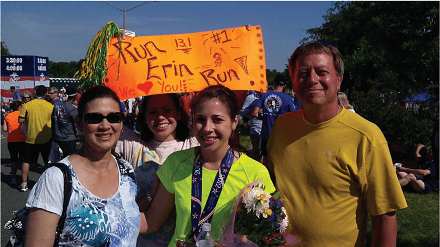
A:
x: 332, y: 166
x: 37, y: 116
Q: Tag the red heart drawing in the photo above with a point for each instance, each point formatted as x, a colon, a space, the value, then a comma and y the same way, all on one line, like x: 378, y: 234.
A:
x: 146, y: 87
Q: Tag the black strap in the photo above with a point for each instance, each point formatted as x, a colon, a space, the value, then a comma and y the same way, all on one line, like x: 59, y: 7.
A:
x: 67, y: 193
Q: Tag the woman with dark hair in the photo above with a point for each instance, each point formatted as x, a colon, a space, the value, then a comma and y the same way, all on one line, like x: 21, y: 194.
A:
x: 164, y: 130
x: 102, y: 210
x: 225, y: 170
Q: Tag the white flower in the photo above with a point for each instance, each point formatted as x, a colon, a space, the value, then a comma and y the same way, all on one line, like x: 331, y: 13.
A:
x: 249, y: 200
x: 285, y: 222
x: 256, y: 199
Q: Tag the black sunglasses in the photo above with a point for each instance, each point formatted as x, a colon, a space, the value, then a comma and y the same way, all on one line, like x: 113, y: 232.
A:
x: 96, y: 118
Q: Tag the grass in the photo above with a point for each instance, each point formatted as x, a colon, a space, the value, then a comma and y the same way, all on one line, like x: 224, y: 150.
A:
x: 418, y: 225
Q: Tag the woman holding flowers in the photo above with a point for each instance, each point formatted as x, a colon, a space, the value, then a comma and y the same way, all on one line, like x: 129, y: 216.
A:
x: 225, y: 171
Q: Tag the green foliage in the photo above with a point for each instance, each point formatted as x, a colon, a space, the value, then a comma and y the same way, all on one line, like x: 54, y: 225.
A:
x: 64, y: 69
x: 271, y: 74
x: 399, y: 125
x: 5, y: 50
x: 418, y: 224
x: 387, y: 46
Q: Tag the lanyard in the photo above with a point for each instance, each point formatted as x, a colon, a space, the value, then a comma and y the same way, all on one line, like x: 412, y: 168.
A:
x: 198, y: 218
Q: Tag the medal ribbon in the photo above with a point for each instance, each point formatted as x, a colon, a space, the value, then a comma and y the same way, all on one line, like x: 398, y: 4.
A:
x: 198, y: 218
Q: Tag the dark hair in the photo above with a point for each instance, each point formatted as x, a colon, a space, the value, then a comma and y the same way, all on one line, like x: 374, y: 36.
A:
x: 280, y: 80
x: 14, y: 105
x: 316, y: 47
x: 12, y: 88
x: 229, y: 99
x: 41, y: 90
x: 96, y: 92
x: 182, y: 129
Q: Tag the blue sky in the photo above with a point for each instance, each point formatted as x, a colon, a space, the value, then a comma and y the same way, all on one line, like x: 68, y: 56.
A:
x: 63, y: 30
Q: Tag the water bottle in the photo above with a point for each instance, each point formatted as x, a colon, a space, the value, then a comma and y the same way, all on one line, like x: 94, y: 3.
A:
x: 205, y: 238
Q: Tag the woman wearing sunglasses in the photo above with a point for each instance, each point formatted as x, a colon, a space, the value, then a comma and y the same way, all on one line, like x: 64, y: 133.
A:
x: 203, y: 182
x: 164, y: 130
x: 102, y: 210
x: 26, y: 96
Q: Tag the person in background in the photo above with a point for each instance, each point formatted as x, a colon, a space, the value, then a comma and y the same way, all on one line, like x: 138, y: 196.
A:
x: 163, y: 126
x: 63, y: 123
x: 37, y: 116
x: 62, y: 94
x: 274, y: 104
x: 419, y: 180
x: 217, y: 161
x: 55, y: 151
x: 16, y: 96
x: 255, y: 124
x: 53, y: 93
x: 102, y: 210
x: 343, y: 101
x: 26, y: 96
x: 16, y: 139
x: 332, y: 167
x: 79, y: 93
x: 137, y: 107
x: 124, y: 109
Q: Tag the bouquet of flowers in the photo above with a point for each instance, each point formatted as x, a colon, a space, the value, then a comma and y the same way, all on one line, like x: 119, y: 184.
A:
x: 260, y: 217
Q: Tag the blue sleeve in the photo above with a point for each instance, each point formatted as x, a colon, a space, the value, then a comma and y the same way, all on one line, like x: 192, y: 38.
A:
x: 291, y: 106
x: 16, y: 96
x: 123, y: 110
x: 248, y: 106
x: 297, y: 103
x: 259, y: 103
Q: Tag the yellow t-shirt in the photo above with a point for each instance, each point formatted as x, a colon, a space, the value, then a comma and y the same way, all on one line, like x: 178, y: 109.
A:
x: 37, y: 113
x: 332, y: 174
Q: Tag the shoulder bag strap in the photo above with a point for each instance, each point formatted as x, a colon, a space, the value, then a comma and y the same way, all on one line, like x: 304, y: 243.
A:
x: 67, y: 193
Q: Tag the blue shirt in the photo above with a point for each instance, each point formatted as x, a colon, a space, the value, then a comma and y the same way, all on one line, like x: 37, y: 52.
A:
x: 273, y: 104
x: 123, y: 109
x: 16, y: 95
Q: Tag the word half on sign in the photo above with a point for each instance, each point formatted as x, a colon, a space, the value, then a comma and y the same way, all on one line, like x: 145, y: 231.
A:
x: 148, y: 65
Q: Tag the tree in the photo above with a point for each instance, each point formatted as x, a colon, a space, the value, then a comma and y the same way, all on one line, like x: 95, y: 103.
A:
x: 64, y: 69
x: 387, y: 46
x: 391, y: 52
x: 5, y: 50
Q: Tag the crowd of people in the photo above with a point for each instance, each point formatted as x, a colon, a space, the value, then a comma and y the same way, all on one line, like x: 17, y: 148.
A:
x: 137, y: 176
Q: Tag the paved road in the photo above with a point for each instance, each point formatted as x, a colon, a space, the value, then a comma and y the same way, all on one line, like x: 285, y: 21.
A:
x: 11, y: 198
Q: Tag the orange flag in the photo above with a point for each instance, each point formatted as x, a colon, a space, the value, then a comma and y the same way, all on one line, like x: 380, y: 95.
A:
x: 178, y: 63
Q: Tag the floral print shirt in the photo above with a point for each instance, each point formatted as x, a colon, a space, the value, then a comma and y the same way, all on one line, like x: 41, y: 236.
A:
x: 91, y: 221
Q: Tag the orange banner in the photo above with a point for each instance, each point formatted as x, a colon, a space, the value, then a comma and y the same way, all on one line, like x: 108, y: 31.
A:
x: 179, y: 63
